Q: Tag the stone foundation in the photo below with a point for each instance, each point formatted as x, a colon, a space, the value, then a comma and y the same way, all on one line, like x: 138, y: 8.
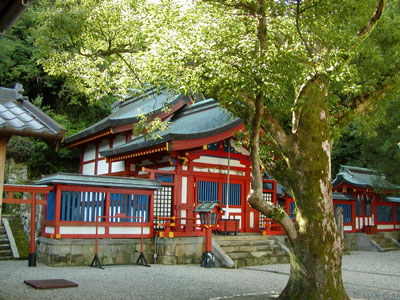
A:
x: 79, y: 252
x: 181, y: 250
x: 349, y: 242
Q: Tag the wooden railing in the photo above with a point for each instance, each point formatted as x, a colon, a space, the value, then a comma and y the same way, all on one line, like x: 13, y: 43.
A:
x: 178, y: 227
x: 272, y: 227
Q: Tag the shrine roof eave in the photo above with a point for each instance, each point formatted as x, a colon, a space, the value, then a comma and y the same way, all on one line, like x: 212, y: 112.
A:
x: 123, y: 116
x: 20, y: 117
x: 343, y: 179
x: 342, y: 196
x: 176, y: 141
x: 99, y: 181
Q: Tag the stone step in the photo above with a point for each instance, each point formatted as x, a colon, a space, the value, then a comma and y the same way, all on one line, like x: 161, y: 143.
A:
x: 390, y: 249
x: 376, y: 236
x: 3, y: 240
x: 9, y: 257
x: 237, y: 243
x: 384, y: 243
x: 4, y: 247
x: 258, y: 254
x: 6, y: 252
x: 241, y: 236
x: 240, y: 263
x: 248, y: 248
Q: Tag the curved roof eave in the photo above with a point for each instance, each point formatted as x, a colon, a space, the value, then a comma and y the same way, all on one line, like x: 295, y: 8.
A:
x: 135, y: 145
x: 340, y: 178
x: 110, y: 122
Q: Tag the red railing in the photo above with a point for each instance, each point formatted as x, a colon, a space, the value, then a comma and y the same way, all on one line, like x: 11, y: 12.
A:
x: 272, y: 227
x: 177, y: 227
x: 31, y: 195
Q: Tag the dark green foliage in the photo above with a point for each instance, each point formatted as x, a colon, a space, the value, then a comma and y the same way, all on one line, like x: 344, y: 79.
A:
x: 372, y: 142
x: 20, y: 238
x: 55, y: 95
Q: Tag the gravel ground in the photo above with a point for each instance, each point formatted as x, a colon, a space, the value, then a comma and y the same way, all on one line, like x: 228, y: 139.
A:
x: 366, y: 275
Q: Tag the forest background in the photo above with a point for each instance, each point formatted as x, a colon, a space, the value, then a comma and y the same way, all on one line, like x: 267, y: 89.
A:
x: 371, y: 140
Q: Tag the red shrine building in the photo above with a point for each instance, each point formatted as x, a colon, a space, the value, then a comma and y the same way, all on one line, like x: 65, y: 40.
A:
x: 196, y: 160
x: 366, y: 208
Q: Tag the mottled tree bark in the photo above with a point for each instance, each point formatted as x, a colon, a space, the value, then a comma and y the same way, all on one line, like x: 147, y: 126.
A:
x: 316, y: 252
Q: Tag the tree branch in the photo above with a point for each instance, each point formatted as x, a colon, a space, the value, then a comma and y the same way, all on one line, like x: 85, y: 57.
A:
x: 111, y: 51
x: 309, y: 50
x: 367, y: 29
x: 239, y: 4
x: 276, y: 214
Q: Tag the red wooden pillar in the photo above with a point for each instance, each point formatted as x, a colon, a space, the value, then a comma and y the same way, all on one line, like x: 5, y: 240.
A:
x: 32, y: 250
x: 106, y: 220
x: 57, y: 212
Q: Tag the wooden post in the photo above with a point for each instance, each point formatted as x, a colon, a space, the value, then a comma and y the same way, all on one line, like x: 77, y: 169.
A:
x: 340, y: 221
x: 32, y: 244
x: 3, y: 147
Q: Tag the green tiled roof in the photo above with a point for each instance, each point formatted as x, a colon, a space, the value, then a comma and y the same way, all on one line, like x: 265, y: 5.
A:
x: 361, y: 177
x: 100, y: 181
x: 20, y: 117
x: 128, y: 111
x: 203, y: 119
x: 342, y: 196
x: 206, y: 206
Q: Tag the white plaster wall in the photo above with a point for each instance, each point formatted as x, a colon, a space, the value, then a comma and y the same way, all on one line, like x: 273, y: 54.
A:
x: 183, y: 215
x: 235, y: 210
x: 49, y: 229
x: 252, y: 219
x: 218, y: 171
x: 81, y: 230
x: 104, y: 145
x: 184, y: 189
x: 348, y: 228
x: 170, y: 168
x: 384, y: 227
x: 88, y: 169
x: 89, y: 152
x: 118, y: 166
x: 102, y: 167
x: 219, y: 161
x: 128, y: 230
x: 119, y: 140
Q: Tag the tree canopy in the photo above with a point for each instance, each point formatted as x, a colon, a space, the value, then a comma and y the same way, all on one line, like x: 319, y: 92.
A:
x: 297, y: 69
x: 57, y: 95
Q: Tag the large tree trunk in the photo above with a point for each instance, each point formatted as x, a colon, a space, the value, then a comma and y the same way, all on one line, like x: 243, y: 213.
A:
x: 316, y: 253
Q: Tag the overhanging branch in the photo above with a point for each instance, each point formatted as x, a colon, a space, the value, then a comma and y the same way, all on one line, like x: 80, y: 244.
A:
x: 367, y: 29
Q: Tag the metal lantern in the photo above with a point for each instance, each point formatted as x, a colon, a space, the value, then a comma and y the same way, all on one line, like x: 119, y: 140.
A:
x: 203, y: 218
x: 208, y: 217
x: 213, y: 218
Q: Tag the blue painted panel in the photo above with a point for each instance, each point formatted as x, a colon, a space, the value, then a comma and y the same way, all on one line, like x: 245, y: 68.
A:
x: 207, y: 191
x: 397, y: 213
x: 63, y: 205
x: 268, y: 186
x: 68, y: 206
x: 358, y: 208
x: 78, y: 207
x: 234, y: 194
x: 73, y: 200
x: 292, y: 210
x: 213, y: 147
x: 93, y: 216
x: 103, y: 199
x: 165, y: 178
x: 51, y: 206
x: 384, y: 213
x: 346, y: 212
